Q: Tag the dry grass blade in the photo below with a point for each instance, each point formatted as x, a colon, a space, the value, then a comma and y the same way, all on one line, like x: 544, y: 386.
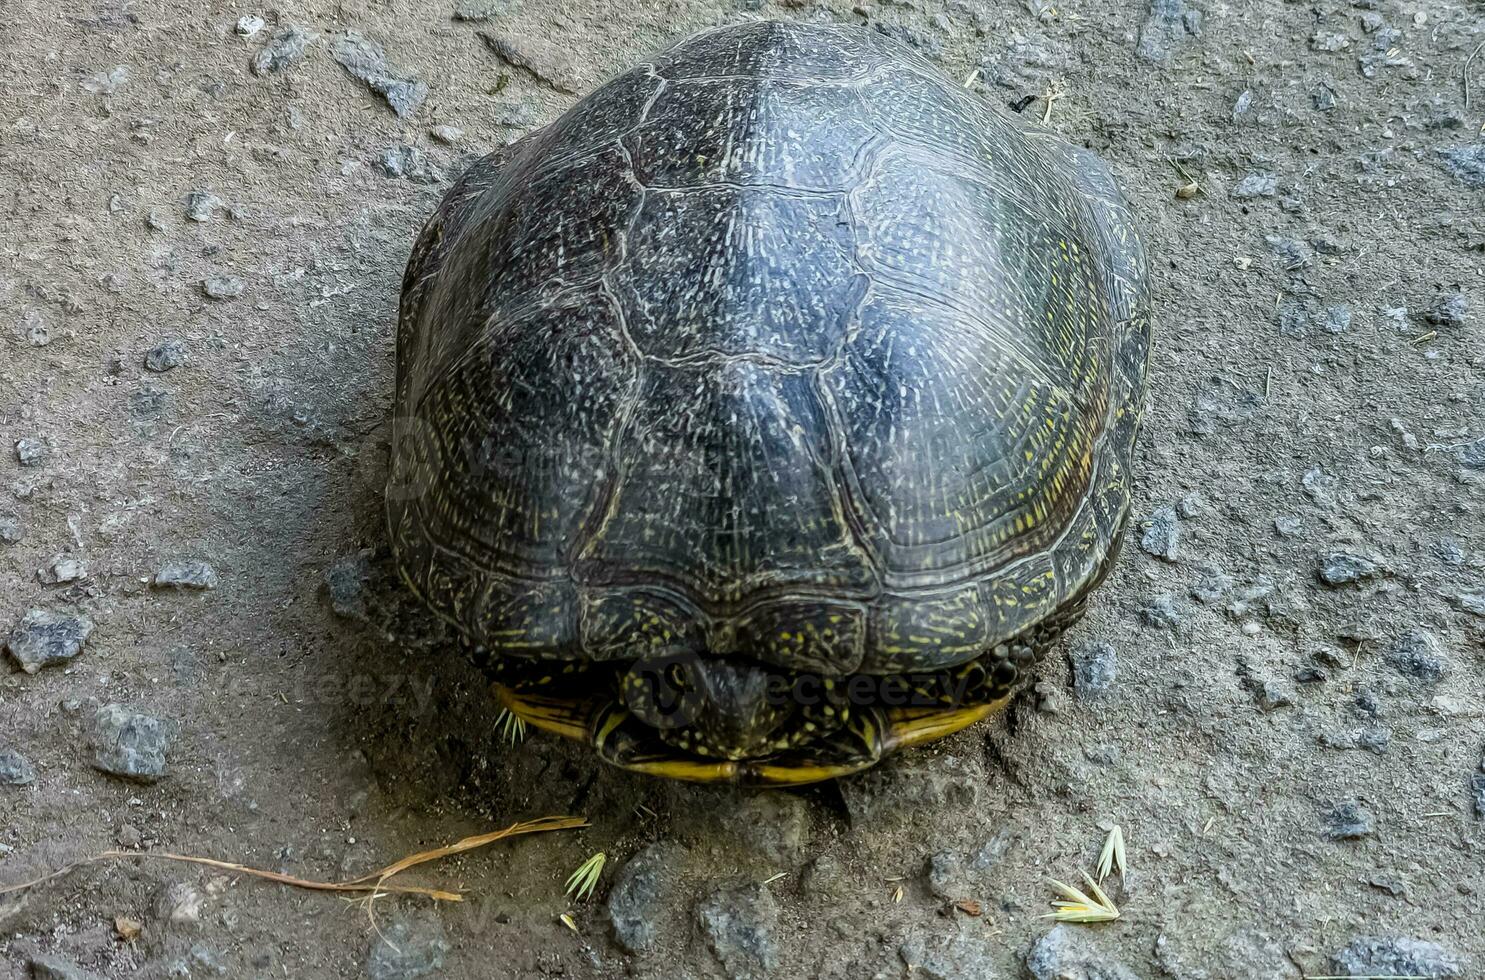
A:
x: 512, y: 726
x: 1111, y: 858
x: 373, y: 884
x: 1075, y: 906
x: 580, y: 883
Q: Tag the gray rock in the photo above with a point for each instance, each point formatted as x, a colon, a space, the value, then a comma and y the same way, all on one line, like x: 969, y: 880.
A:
x: 1471, y: 456
x: 197, y: 575
x: 1269, y: 694
x: 1095, y: 665
x: 953, y: 875
x: 1319, y: 484
x: 407, y: 947
x: 1348, y: 820
x: 1220, y: 400
x: 221, y: 287
x: 932, y: 955
x: 1193, y: 505
x: 201, y: 205
x: 130, y: 744
x: 1467, y: 162
x: 407, y: 162
x: 31, y: 451
x: 1292, y: 254
x: 1255, y: 185
x: 43, y: 638
x: 364, y: 59
x: 15, y: 769
x: 286, y: 47
x: 167, y: 355
x: 250, y: 24
x: 774, y: 826
x: 739, y: 925
x: 63, y: 569
x: 483, y: 10
x: 1345, y: 567
x: 1472, y: 602
x: 1167, y: 27
x: 641, y: 893
x: 1448, y: 310
x: 1417, y: 654
x: 10, y: 529
x: 1398, y: 956
x: 1212, y: 586
x: 48, y: 967
x: 1288, y: 526
x: 1066, y: 953
x: 909, y: 783
x: 1448, y: 551
x: 1337, y: 319
x: 1163, y: 612
x: 1477, y: 788
x: 1329, y: 41
x: 1162, y: 534
x: 517, y: 115
x: 1373, y: 740
x: 345, y: 581
x: 447, y: 135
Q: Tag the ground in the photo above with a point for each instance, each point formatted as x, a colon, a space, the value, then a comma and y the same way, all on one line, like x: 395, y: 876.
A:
x: 1295, y: 763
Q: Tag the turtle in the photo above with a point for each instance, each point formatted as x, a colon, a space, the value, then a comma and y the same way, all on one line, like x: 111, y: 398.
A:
x: 771, y: 410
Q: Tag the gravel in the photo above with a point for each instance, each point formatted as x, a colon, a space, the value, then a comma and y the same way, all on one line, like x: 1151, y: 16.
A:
x: 641, y: 893
x: 11, y: 530
x: 1448, y: 310
x: 1255, y: 185
x: 1347, y: 567
x: 63, y: 569
x: 408, y: 947
x: 1095, y: 665
x: 130, y: 744
x: 931, y: 955
x: 195, y: 575
x: 1162, y: 534
x: 30, y: 451
x: 1163, y: 612
x: 45, y: 966
x: 409, y: 163
x: 1467, y: 162
x: 1398, y: 956
x: 43, y: 638
x: 286, y: 47
x: 220, y: 287
x: 1417, y: 654
x: 167, y: 355
x: 15, y: 769
x: 1167, y: 28
x: 203, y: 205
x: 739, y: 925
x: 1348, y: 820
x: 1069, y: 953
x: 364, y: 59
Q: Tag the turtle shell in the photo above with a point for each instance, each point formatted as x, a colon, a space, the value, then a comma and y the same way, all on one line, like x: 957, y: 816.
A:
x: 780, y: 347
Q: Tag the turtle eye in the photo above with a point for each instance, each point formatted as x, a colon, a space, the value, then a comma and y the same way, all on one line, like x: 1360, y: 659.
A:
x: 676, y: 676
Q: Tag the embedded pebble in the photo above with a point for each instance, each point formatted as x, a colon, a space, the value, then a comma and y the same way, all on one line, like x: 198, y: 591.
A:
x: 1162, y: 611
x: 180, y: 903
x: 286, y: 47
x: 1471, y: 455
x: 1448, y: 310
x: 249, y: 24
x: 49, y: 967
x: 1212, y: 586
x: 1417, y: 654
x: 448, y: 135
x: 43, y: 638
x: 1348, y: 820
x: 1373, y: 740
x: 130, y: 744
x: 167, y: 355
x: 1398, y: 956
x: 1095, y: 665
x: 1472, y: 602
x: 1345, y: 567
x: 201, y: 205
x: 641, y: 893
x: 221, y: 287
x: 15, y: 769
x: 31, y: 451
x: 346, y: 583
x: 365, y: 60
x: 408, y: 947
x: 1193, y: 505
x: 1067, y: 953
x: 1467, y: 162
x: 197, y: 575
x: 63, y: 569
x: 1162, y: 534
x: 1255, y: 185
x: 932, y: 955
x: 739, y: 925
x: 407, y: 162
x: 1168, y: 25
x: 1288, y: 526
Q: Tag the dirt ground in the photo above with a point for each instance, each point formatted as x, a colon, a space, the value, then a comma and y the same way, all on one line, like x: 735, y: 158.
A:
x: 1296, y: 765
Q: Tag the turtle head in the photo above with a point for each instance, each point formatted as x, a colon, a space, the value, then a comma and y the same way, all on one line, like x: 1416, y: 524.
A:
x: 713, y: 706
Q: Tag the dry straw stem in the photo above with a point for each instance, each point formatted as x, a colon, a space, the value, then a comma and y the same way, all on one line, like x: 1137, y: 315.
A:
x: 1112, y: 856
x: 375, y: 883
x: 1075, y: 906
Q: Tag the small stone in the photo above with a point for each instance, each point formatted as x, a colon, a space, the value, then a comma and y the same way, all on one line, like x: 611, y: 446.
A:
x: 1269, y: 695
x: 641, y: 893
x: 1373, y: 740
x: 1163, y: 612
x: 107, y: 82
x: 1327, y: 41
x: 32, y: 451
x: 181, y: 903
x: 63, y: 569
x: 1292, y: 254
x: 198, y: 575
x: 249, y: 24
x: 15, y: 769
x: 167, y: 355
x: 1467, y: 162
x: 518, y: 115
x: 739, y: 924
x: 130, y: 744
x: 1348, y: 820
x: 1345, y: 567
x: 286, y: 47
x: 1162, y: 534
x: 1417, y: 654
x: 447, y: 135
x: 1472, y: 602
x: 1393, y: 886
x: 1066, y: 953
x: 44, y: 638
x: 1192, y: 506
x: 1319, y: 484
x: 1095, y: 665
x: 1398, y: 956
x: 1337, y: 319
x: 346, y: 583
x: 1471, y: 455
x: 1322, y: 97
x: 201, y: 205
x: 407, y: 162
x: 1448, y: 310
x: 932, y: 955
x: 1448, y: 551
x: 1477, y: 787
x: 48, y: 967
x: 1288, y: 526
x: 1310, y: 675
x: 364, y: 59
x: 1168, y: 26
x: 1212, y: 586
x: 1371, y: 22
x: 11, y: 531
x: 773, y: 826
x: 1255, y: 185
x: 406, y: 948
x: 221, y: 287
